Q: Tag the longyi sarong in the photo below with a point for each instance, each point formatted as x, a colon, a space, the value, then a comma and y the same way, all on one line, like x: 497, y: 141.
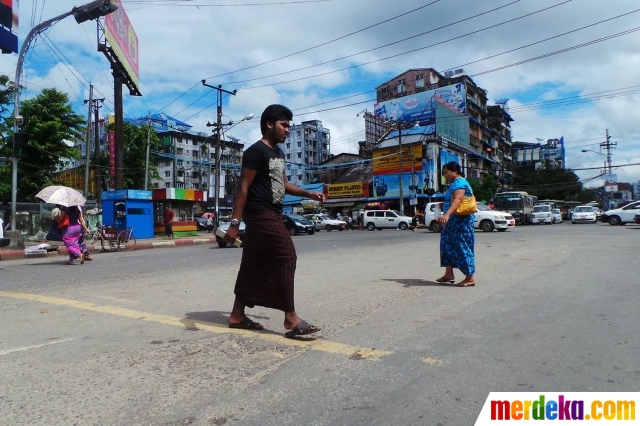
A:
x: 268, y: 264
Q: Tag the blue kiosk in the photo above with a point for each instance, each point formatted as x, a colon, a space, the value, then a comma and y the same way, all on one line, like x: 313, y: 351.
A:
x: 129, y: 208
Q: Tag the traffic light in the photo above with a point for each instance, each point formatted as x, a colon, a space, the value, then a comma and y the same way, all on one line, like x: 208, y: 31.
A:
x: 94, y: 10
x: 21, y: 144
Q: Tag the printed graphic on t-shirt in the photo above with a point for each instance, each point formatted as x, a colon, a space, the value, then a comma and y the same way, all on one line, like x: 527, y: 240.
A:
x: 276, y: 171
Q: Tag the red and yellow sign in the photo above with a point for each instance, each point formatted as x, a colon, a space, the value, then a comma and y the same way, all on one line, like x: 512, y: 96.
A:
x: 347, y: 190
x: 386, y: 160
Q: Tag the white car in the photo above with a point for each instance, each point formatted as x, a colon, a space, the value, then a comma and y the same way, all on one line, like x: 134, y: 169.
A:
x: 487, y: 220
x: 326, y: 222
x: 583, y: 214
x: 623, y: 215
x: 542, y: 213
x: 557, y: 216
x: 380, y: 219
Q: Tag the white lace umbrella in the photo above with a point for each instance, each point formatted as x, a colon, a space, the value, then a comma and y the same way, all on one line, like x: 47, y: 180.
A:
x: 62, y: 195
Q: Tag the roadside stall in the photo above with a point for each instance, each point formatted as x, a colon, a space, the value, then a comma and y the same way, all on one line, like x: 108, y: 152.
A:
x: 128, y: 208
x: 183, y: 204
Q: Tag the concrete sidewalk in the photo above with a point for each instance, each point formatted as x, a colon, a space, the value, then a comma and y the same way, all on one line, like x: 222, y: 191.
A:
x: 141, y: 244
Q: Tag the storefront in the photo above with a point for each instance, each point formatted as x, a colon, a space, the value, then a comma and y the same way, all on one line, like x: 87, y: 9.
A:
x: 345, y: 198
x: 183, y: 204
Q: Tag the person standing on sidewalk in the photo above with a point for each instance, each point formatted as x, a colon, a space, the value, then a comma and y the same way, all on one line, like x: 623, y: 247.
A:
x: 267, y: 270
x: 168, y: 221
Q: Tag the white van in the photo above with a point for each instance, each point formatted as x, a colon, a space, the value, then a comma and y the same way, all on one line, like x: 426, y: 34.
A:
x: 542, y: 213
x: 380, y: 219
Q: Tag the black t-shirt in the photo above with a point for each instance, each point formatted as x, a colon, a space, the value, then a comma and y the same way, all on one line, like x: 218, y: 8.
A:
x: 267, y: 189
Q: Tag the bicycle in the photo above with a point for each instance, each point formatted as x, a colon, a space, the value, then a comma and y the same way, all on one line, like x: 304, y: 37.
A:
x: 127, y: 239
x: 108, y: 238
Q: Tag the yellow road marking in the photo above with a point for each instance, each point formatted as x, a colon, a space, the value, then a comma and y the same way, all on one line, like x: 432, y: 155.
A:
x: 431, y: 361
x: 317, y: 345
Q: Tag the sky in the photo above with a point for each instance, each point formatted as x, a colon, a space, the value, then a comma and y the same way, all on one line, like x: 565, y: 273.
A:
x: 568, y: 67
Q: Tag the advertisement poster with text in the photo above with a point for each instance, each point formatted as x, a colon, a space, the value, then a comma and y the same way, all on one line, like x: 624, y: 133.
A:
x: 123, y: 40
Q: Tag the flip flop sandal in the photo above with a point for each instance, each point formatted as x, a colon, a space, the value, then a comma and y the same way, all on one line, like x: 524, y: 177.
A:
x: 247, y: 324
x: 302, y: 329
x: 444, y: 280
x: 465, y: 284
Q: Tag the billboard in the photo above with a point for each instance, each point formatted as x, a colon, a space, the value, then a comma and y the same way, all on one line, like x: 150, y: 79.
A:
x: 386, y: 160
x: 420, y: 107
x: 451, y: 124
x: 9, y: 26
x: 389, y: 185
x: 123, y: 40
x: 610, y: 183
x: 346, y: 190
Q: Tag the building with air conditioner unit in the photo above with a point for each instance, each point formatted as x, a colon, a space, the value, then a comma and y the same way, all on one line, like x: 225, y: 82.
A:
x: 307, y: 145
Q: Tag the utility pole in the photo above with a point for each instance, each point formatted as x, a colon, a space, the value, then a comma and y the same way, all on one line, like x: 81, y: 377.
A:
x: 146, y: 162
x: 97, y: 104
x: 608, y: 145
x: 217, y: 147
x: 87, y: 153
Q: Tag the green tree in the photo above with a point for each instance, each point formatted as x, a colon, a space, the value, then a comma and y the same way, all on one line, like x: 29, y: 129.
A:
x: 485, y: 188
x: 135, y: 152
x: 50, y: 125
x: 586, y: 195
x: 552, y: 184
x: 6, y: 136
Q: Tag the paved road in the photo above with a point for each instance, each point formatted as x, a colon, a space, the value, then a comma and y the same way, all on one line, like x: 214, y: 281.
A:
x: 139, y: 338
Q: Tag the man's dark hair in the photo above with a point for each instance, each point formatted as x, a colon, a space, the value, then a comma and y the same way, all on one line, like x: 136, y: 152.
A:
x: 453, y: 167
x: 274, y: 113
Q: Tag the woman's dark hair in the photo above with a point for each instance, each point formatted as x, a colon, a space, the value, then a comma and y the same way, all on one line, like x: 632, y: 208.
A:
x: 273, y: 113
x: 453, y: 167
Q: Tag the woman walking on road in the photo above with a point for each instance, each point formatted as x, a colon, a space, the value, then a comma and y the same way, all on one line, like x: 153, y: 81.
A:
x: 73, y: 235
x: 267, y: 270
x: 457, y: 238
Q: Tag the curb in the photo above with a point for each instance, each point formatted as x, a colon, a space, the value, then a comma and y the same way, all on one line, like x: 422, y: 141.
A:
x: 142, y: 245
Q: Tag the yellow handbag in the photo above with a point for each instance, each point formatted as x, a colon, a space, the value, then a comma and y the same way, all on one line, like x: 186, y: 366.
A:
x: 467, y: 207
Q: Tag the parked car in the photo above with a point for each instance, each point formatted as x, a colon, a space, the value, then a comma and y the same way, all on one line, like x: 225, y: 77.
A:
x: 636, y: 218
x: 224, y: 226
x: 557, y: 216
x: 542, y: 213
x: 621, y: 216
x: 380, y: 219
x: 202, y: 224
x: 326, y: 222
x: 296, y: 223
x: 583, y: 214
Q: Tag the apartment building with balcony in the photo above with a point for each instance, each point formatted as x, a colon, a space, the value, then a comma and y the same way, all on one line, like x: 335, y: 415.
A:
x: 489, y: 128
x: 186, y: 158
x: 307, y: 145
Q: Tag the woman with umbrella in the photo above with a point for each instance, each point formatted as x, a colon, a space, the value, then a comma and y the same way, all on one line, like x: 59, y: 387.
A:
x: 72, y: 224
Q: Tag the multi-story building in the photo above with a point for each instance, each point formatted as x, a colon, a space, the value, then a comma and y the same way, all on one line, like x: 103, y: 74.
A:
x: 537, y: 155
x: 186, y: 159
x: 307, y: 145
x: 455, y: 120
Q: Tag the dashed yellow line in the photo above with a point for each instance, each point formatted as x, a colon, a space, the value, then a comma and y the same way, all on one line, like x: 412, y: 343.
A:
x: 317, y: 345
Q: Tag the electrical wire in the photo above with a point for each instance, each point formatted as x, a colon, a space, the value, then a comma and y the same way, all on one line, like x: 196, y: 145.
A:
x: 388, y: 44
x: 410, y: 51
x: 330, y: 41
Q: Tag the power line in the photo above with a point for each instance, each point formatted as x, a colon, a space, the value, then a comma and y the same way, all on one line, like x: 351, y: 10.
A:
x: 409, y: 51
x: 328, y: 42
x: 383, y: 46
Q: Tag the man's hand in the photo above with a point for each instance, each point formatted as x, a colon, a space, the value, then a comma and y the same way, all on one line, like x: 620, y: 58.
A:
x: 232, y: 234
x: 318, y: 196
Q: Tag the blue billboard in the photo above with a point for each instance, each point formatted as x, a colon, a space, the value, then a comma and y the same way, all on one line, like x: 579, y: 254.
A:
x: 9, y: 26
x: 421, y: 107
